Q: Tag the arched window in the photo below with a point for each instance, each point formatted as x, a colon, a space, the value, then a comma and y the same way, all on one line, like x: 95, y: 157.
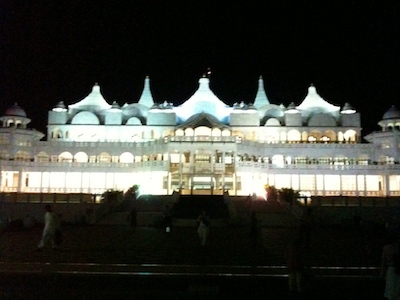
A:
x: 104, y: 157
x: 329, y: 136
x: 216, y: 132
x: 81, y: 157
x: 126, y: 157
x: 278, y: 160
x: 22, y: 156
x: 179, y: 132
x: 65, y: 157
x: 56, y: 134
x: 294, y: 136
x: 202, y: 131
x: 189, y: 132
x: 350, y: 136
x: 226, y: 132
x: 42, y: 157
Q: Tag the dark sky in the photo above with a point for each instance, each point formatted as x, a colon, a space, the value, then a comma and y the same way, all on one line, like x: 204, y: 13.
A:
x: 57, y: 50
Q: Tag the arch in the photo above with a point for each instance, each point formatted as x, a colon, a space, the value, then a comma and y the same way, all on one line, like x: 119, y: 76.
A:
x: 42, y: 157
x: 65, y: 157
x: 167, y: 132
x: 278, y: 160
x: 363, y: 159
x: 216, y: 132
x: 81, y: 157
x: 271, y: 136
x: 226, y: 132
x: 134, y: 121
x: 126, y: 157
x: 202, y: 131
x: 189, y: 132
x: 56, y: 134
x: 104, y: 157
x: 272, y: 122
x: 321, y: 119
x: 179, y: 132
x: 22, y: 156
x: 350, y: 136
x: 384, y: 159
x: 274, y: 112
x: 314, y: 136
x: 294, y: 136
x: 85, y: 118
x: 330, y: 135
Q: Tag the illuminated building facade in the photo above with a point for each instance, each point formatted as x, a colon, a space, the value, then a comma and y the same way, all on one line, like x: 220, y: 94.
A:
x: 201, y: 146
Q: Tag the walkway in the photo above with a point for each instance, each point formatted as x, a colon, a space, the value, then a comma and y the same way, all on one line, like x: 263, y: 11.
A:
x: 178, y: 266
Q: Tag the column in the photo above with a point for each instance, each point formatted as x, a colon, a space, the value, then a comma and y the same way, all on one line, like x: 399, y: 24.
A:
x: 19, y: 187
x: 223, y: 172
x: 387, y: 185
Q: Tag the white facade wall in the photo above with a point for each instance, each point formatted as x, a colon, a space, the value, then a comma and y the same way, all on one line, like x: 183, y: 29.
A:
x: 92, y: 146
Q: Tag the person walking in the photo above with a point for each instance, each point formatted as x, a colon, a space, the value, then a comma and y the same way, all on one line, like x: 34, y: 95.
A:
x: 168, y: 218
x: 51, y: 224
x: 390, y: 269
x: 295, y: 265
x: 203, y: 229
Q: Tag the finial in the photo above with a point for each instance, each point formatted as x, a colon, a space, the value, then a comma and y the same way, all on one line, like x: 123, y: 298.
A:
x: 207, y: 74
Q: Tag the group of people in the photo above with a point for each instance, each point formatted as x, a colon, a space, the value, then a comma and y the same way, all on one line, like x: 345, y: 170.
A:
x: 390, y: 268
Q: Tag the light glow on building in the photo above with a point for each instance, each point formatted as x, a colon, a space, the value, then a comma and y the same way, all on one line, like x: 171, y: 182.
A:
x: 202, y: 146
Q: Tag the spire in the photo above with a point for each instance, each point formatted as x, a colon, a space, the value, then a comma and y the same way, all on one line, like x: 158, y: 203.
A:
x: 261, y: 97
x: 146, y: 98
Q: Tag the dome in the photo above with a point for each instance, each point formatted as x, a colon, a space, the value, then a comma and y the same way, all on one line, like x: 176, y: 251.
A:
x: 15, y: 111
x: 392, y: 113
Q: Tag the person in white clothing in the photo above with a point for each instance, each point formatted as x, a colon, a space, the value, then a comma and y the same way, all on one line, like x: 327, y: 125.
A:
x: 390, y: 269
x: 204, y: 227
x: 51, y: 224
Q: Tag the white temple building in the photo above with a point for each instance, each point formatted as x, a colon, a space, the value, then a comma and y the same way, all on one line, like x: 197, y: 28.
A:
x: 202, y: 146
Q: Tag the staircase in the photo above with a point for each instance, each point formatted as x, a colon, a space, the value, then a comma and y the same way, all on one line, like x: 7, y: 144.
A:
x: 190, y: 207
x: 269, y: 213
x: 187, y: 208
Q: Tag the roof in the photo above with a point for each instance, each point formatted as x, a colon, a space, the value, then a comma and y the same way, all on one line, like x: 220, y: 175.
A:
x: 203, y: 100
x: 314, y: 100
x: 15, y: 111
x: 392, y: 113
x: 92, y: 102
x: 261, y: 96
x: 203, y: 119
x: 146, y: 97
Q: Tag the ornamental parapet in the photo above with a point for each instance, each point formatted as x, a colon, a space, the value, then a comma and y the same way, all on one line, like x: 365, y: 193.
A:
x: 152, y: 164
x: 328, y: 167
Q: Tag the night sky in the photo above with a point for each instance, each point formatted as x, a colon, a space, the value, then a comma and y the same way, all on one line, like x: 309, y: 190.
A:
x: 56, y: 50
